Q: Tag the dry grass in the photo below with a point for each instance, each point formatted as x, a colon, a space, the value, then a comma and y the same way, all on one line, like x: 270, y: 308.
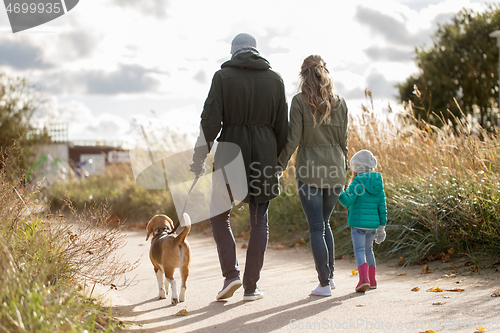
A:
x: 49, y: 266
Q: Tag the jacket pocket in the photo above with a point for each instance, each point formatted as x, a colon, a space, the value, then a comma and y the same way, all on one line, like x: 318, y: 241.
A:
x: 206, y: 108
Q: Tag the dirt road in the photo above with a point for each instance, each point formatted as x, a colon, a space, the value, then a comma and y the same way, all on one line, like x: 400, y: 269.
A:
x: 287, y: 279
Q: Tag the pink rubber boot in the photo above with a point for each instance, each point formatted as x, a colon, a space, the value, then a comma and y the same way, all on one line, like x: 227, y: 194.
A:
x: 371, y: 277
x: 363, y: 283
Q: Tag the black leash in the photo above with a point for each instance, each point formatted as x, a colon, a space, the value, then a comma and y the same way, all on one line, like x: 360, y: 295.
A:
x: 151, y: 156
x: 177, y: 223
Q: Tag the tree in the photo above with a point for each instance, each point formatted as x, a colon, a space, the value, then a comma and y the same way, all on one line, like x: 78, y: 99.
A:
x: 462, y: 64
x: 17, y: 105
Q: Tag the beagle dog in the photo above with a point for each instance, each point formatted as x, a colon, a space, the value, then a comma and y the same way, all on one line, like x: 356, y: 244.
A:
x: 168, y: 251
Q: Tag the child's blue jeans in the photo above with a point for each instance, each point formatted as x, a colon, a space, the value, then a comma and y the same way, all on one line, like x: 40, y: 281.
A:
x: 362, y: 243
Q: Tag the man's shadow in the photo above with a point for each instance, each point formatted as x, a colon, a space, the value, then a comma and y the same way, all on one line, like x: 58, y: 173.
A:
x: 281, y: 316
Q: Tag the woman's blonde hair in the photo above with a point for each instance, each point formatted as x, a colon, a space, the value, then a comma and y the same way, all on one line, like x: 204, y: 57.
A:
x: 317, y: 89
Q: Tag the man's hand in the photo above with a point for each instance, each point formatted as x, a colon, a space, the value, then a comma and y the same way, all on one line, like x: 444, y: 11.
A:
x: 198, y: 168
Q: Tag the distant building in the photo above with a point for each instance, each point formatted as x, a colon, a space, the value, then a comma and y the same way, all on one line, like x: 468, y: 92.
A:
x: 62, y: 159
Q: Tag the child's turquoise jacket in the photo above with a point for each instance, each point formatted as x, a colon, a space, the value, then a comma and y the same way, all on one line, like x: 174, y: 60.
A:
x: 365, y: 198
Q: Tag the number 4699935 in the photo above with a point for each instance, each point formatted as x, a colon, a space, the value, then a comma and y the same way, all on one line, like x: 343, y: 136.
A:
x: 33, y: 8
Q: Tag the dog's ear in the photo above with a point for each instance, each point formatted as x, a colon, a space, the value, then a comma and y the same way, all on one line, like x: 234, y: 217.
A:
x: 149, y: 228
x: 170, y: 224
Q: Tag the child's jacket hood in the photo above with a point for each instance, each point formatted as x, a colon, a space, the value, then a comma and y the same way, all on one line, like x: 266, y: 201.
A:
x: 371, y: 181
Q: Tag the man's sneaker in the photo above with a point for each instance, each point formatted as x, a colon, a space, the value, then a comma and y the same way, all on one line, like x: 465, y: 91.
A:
x: 332, y: 284
x: 229, y: 288
x: 257, y: 294
x: 322, y: 291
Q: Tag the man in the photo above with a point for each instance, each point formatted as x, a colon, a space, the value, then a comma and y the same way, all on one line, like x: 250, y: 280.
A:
x: 247, y: 101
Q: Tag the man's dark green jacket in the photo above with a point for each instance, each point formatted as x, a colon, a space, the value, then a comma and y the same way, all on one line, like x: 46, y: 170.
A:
x: 247, y: 106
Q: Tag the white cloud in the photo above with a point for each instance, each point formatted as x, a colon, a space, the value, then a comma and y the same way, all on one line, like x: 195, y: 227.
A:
x: 83, y: 124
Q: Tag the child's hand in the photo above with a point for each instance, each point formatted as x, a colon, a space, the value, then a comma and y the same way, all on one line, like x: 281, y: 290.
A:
x: 380, y: 234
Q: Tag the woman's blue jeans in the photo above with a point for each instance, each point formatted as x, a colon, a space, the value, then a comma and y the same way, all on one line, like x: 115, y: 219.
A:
x: 318, y: 204
x: 362, y: 243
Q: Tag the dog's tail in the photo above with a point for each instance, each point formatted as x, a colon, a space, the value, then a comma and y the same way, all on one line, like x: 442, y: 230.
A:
x: 187, y: 227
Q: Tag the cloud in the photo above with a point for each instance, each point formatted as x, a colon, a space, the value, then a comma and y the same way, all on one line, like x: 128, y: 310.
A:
x: 355, y: 93
x: 22, y: 55
x: 381, y: 87
x: 269, y: 44
x: 156, y: 8
x: 127, y: 79
x: 78, y: 44
x: 389, y: 27
x: 389, y: 54
x: 83, y: 124
x: 200, y: 76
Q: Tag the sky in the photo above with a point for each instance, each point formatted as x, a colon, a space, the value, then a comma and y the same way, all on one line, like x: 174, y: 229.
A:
x: 108, y: 66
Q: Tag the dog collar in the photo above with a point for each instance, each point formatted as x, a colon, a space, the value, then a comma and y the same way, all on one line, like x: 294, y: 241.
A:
x: 162, y: 230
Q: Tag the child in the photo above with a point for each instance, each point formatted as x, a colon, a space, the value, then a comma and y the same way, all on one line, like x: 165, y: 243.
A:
x: 367, y: 215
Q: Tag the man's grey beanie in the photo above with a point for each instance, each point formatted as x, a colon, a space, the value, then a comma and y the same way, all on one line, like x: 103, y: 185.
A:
x: 243, y: 41
x: 363, y: 161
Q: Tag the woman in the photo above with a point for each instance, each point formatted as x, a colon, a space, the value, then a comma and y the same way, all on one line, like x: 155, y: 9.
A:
x: 318, y: 126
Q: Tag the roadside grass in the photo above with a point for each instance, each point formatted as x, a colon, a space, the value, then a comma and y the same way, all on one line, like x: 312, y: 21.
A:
x: 49, y: 266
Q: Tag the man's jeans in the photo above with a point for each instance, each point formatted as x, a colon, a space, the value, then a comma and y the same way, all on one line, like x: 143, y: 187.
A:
x: 318, y: 204
x: 226, y: 246
x: 362, y: 243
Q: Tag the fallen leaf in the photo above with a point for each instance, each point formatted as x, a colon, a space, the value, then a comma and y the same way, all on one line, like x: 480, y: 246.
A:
x: 445, y: 258
x: 242, y: 234
x: 435, y: 289
x: 101, y: 321
x: 360, y: 305
x: 401, y: 261
x: 297, y: 245
x: 428, y: 331
x: 302, y: 241
x: 426, y: 270
x: 453, y: 267
x: 479, y: 329
x: 282, y: 242
x: 182, y: 312
x: 354, y: 272
x: 439, y: 303
x: 446, y: 276
x: 496, y: 293
x: 446, y: 296
x: 280, y: 247
x: 467, y: 263
x: 496, y: 263
x: 244, y: 246
x: 455, y: 289
x: 415, y: 289
x: 474, y: 268
x: 421, y: 262
x: 401, y: 274
x: 451, y: 251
